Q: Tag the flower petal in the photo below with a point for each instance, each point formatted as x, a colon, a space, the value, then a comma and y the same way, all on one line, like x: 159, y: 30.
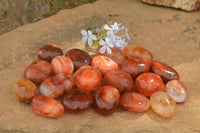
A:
x: 127, y: 35
x: 89, y: 33
x: 84, y: 39
x: 102, y: 43
x: 93, y: 37
x: 103, y: 49
x: 107, y: 27
x: 90, y: 41
x: 84, y: 32
x: 109, y: 50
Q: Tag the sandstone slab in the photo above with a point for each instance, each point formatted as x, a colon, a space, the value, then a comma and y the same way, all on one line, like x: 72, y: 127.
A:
x: 172, y: 36
x: 187, y: 5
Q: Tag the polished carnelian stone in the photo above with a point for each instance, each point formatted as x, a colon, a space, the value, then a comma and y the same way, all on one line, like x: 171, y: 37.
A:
x: 25, y: 90
x: 88, y: 79
x: 79, y: 57
x: 132, y: 51
x: 148, y: 83
x: 47, y: 106
x: 164, y: 71
x: 134, y: 102
x: 38, y: 71
x: 82, y: 68
x: 106, y: 99
x: 49, y: 51
x: 117, y: 54
x: 135, y: 66
x: 104, y: 63
x: 55, y: 86
x: 176, y: 90
x: 62, y: 64
x: 77, y: 101
x: 119, y: 79
x: 163, y: 104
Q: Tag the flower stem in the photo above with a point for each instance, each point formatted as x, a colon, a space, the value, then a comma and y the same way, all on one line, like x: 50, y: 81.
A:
x: 92, y: 19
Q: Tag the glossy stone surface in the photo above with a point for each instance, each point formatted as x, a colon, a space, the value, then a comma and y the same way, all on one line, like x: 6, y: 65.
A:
x: 38, y: 71
x: 79, y: 57
x: 176, y: 90
x: 55, y: 86
x: 148, y: 83
x: 82, y: 68
x: 62, y: 64
x: 132, y: 51
x: 47, y: 106
x: 163, y: 104
x: 135, y: 66
x: 77, y: 101
x: 25, y: 90
x: 88, y: 79
x: 164, y: 71
x: 49, y: 51
x: 134, y: 102
x: 104, y: 63
x: 119, y: 79
x: 117, y: 55
x: 106, y: 99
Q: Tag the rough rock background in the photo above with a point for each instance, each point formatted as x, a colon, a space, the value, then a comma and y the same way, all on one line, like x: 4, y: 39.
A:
x: 172, y: 36
x: 187, y: 5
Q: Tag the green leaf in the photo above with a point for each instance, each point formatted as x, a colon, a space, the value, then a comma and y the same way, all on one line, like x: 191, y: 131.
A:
x: 57, y: 3
x: 95, y: 43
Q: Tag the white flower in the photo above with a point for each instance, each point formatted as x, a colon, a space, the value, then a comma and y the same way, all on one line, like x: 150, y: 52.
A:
x: 88, y: 36
x: 115, y: 28
x: 107, y: 44
x: 127, y: 35
x: 121, y: 43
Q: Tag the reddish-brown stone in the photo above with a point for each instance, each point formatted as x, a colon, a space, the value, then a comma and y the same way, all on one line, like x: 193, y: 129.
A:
x: 134, y: 102
x: 49, y: 51
x: 148, y: 83
x: 38, y: 71
x: 119, y: 79
x: 135, y: 66
x: 77, y: 101
x: 47, y: 106
x: 117, y: 55
x: 132, y: 51
x: 106, y: 99
x: 79, y: 57
x: 164, y: 71
x: 88, y: 79
x: 55, y: 86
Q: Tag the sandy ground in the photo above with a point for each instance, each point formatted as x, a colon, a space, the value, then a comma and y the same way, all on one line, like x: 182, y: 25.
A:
x: 172, y: 36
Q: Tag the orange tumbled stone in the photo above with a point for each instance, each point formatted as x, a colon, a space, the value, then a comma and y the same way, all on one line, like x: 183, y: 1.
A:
x: 47, y: 106
x: 62, y: 64
x: 134, y: 102
x: 132, y: 51
x: 25, y: 90
x: 117, y: 54
x: 163, y: 104
x: 104, y: 63
x: 88, y: 79
x: 106, y: 99
x: 148, y: 83
x: 176, y: 90
x: 119, y: 79
x: 38, y: 71
x: 55, y: 86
